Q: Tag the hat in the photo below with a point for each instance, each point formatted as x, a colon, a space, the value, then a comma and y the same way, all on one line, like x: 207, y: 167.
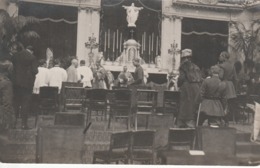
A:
x: 186, y: 53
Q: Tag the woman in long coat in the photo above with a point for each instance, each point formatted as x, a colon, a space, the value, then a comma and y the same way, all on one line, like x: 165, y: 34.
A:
x: 189, y: 83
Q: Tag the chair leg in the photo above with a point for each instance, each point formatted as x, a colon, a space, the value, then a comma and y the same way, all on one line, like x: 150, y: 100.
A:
x: 109, y: 120
x: 147, y: 122
x: 136, y: 122
x: 94, y: 160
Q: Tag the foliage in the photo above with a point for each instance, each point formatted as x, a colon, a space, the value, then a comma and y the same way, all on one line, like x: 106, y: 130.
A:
x: 16, y: 30
x: 246, y: 40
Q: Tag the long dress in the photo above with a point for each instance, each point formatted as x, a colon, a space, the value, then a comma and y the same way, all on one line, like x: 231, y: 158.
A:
x: 189, y: 82
x: 99, y: 78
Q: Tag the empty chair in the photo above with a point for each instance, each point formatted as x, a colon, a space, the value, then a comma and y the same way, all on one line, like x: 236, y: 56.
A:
x: 171, y: 101
x: 118, y: 151
x: 142, y: 147
x: 145, y: 105
x: 181, y: 138
x: 73, y: 98
x: 121, y: 106
x: 97, y: 103
x: 48, y: 101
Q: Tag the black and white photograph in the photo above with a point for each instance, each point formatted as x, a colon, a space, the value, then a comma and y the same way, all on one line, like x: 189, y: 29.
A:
x: 130, y: 82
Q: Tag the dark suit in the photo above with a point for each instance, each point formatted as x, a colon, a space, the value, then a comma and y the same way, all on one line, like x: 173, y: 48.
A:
x: 25, y: 69
x: 138, y: 76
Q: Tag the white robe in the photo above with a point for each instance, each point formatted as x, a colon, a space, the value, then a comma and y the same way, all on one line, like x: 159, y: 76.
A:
x: 87, y: 75
x: 42, y: 79
x: 57, y: 76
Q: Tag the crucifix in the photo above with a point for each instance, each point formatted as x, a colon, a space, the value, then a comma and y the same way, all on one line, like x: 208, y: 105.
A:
x: 132, y: 33
x: 91, y: 44
x: 174, y: 51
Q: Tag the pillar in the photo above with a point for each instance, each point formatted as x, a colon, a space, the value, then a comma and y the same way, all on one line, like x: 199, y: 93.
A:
x: 166, y: 41
x: 88, y: 24
x: 177, y: 39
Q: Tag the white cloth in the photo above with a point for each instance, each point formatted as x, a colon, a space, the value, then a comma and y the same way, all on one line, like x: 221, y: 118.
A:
x: 256, y: 125
x: 57, y: 76
x: 87, y: 75
x: 146, y: 75
x: 42, y: 79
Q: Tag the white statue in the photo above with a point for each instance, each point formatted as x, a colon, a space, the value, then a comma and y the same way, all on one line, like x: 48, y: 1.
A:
x: 132, y: 14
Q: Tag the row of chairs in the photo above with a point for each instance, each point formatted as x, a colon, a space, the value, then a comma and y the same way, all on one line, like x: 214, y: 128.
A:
x: 131, y: 146
x: 122, y: 102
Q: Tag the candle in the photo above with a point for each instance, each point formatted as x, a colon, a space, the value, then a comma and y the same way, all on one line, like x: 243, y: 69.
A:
x: 144, y: 40
x: 114, y: 38
x: 117, y: 39
x: 142, y: 43
x: 152, y: 41
x: 120, y: 41
x: 149, y: 45
x: 108, y: 39
x: 157, y: 45
x: 105, y: 41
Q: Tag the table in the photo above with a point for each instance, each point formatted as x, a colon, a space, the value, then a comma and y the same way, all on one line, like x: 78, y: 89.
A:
x: 182, y: 157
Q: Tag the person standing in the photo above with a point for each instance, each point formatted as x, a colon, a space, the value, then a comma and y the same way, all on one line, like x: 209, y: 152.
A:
x: 42, y: 77
x: 99, y: 74
x: 213, y: 99
x: 7, y: 116
x: 57, y: 75
x: 189, y: 83
x: 85, y: 74
x: 138, y: 74
x: 25, y: 70
x: 229, y: 76
x: 72, y: 71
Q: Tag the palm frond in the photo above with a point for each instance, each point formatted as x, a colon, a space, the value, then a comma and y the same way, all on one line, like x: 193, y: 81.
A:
x: 22, y: 21
x: 30, y: 34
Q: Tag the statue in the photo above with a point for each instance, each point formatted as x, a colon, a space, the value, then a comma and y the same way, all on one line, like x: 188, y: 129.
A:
x: 132, y: 14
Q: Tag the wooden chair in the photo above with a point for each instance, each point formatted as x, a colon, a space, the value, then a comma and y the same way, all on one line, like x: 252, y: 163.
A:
x: 181, y: 138
x: 142, y: 147
x: 98, y: 102
x: 121, y: 106
x: 118, y: 151
x: 73, y: 98
x: 146, y: 104
x: 171, y: 102
x: 48, y: 101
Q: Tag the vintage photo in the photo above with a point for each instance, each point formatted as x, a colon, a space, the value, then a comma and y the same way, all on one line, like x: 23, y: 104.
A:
x: 139, y: 82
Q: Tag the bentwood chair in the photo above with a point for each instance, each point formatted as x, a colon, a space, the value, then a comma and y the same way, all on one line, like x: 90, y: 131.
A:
x: 171, y: 102
x: 97, y: 103
x: 118, y: 151
x: 143, y: 147
x: 145, y: 105
x: 48, y: 101
x: 121, y: 106
x: 73, y: 98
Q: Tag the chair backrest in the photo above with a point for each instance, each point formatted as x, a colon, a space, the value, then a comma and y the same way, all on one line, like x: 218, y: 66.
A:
x: 120, y: 140
x: 181, y: 137
x: 143, y: 139
x: 73, y: 95
x: 71, y: 84
x: 146, y: 98
x: 171, y: 101
x: 47, y: 92
x: 98, y: 95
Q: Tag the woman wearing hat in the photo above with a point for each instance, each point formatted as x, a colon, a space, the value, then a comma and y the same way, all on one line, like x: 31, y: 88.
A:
x: 213, y: 99
x: 189, y: 83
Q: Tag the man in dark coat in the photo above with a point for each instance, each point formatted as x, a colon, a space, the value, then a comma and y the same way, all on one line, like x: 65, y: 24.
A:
x: 139, y: 73
x: 189, y: 83
x: 213, y: 99
x: 25, y: 70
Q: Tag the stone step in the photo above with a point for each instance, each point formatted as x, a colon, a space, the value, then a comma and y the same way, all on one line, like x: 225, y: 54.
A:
x: 243, y: 137
x: 70, y: 118
x: 19, y: 159
x: 20, y: 136
x: 15, y: 149
x: 247, y: 148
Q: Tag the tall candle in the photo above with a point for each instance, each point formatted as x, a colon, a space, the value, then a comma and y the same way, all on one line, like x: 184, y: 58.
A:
x: 149, y: 45
x: 157, y: 45
x: 144, y: 40
x: 142, y: 43
x: 120, y: 41
x: 152, y: 41
x: 105, y: 41
x: 114, y: 38
x: 117, y: 39
x: 108, y: 39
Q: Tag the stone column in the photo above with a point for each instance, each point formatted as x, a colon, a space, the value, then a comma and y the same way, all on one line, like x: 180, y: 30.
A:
x: 82, y: 33
x: 95, y: 17
x: 177, y: 39
x: 166, y: 41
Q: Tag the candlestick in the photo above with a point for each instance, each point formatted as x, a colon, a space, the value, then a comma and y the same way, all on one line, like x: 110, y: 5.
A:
x: 149, y: 45
x: 144, y: 40
x: 142, y: 43
x: 108, y: 39
x: 120, y: 41
x: 105, y: 41
x: 117, y: 39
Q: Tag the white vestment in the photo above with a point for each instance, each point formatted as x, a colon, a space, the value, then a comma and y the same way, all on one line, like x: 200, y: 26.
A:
x: 42, y: 79
x: 87, y: 75
x: 57, y: 76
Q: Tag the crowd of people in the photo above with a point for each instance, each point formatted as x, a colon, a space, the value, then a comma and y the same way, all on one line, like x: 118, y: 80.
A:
x: 211, y: 98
